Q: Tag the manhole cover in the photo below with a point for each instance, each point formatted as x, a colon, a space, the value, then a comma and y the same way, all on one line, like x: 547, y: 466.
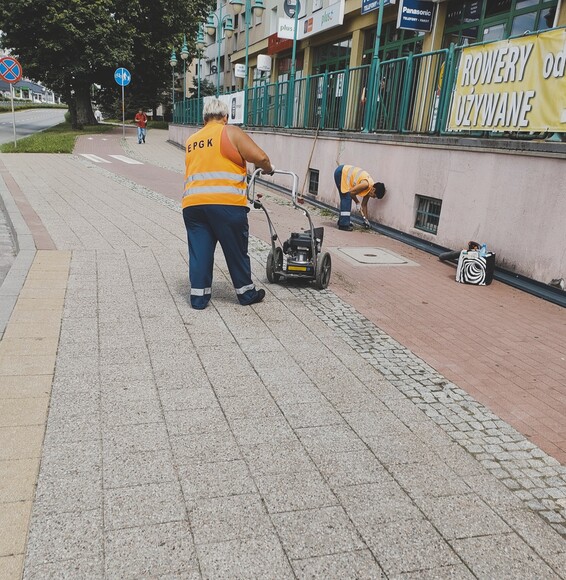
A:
x: 376, y: 256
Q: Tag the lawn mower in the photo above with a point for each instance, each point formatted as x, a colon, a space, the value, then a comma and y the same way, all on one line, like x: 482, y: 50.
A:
x: 300, y: 256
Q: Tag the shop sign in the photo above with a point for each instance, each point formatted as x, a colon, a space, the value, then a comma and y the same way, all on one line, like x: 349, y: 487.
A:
x: 276, y: 44
x: 512, y: 85
x: 415, y: 15
x: 371, y: 5
x: 322, y: 20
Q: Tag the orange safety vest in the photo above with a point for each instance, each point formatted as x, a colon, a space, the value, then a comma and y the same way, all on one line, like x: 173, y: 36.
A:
x: 210, y: 177
x: 351, y: 176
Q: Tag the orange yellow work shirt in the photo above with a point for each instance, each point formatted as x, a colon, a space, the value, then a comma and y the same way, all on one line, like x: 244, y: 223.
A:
x: 213, y: 175
x: 352, y: 176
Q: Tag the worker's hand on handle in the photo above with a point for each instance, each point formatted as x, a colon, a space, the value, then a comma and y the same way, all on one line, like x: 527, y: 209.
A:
x: 271, y: 172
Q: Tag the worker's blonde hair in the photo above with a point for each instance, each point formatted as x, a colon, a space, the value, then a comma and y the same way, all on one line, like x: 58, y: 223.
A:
x: 214, y: 109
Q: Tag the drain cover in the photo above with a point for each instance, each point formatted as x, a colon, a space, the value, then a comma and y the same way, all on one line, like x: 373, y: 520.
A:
x: 376, y: 256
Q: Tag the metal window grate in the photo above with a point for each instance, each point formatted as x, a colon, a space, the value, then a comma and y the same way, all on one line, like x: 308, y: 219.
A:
x: 428, y: 214
x: 313, y: 181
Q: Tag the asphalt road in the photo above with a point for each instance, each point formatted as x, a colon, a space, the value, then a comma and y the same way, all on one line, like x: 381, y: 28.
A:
x: 28, y: 122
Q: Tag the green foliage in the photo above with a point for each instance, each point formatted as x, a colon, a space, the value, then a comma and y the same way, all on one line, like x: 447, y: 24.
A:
x: 69, y: 45
x: 6, y: 106
x: 58, y: 139
x: 207, y: 89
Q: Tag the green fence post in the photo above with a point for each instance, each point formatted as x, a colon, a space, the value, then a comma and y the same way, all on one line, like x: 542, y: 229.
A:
x: 374, y: 70
x: 446, y: 89
x: 406, y: 92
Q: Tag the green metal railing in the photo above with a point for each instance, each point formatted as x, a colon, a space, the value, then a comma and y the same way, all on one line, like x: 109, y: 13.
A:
x: 413, y: 95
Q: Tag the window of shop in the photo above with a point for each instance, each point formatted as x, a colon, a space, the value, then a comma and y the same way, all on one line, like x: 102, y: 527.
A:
x: 489, y: 20
x: 394, y: 43
x: 428, y: 214
x: 329, y: 57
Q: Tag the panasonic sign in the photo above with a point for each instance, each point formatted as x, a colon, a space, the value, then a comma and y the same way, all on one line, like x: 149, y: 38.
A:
x: 415, y: 15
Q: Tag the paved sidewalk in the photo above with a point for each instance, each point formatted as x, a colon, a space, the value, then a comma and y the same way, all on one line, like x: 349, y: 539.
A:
x: 294, y: 438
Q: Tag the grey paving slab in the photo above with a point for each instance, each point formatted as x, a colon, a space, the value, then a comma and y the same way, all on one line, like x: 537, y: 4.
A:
x: 221, y: 519
x: 238, y: 558
x: 143, y: 505
x: 359, y: 565
x: 316, y: 532
x: 218, y: 445
x: 503, y: 556
x: 151, y: 551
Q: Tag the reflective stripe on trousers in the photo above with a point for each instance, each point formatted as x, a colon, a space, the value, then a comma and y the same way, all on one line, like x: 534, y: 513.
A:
x: 206, y: 225
x: 345, y: 199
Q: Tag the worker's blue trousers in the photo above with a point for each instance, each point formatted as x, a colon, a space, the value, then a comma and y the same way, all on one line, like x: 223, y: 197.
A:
x: 345, y: 199
x: 227, y: 224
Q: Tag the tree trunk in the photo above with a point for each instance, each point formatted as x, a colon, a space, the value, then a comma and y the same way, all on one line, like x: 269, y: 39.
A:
x: 85, y: 114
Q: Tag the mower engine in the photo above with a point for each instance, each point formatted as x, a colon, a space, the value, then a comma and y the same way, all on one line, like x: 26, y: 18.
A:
x: 298, y: 251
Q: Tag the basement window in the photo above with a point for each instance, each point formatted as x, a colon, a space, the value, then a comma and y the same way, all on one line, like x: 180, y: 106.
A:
x: 313, y: 181
x: 428, y: 214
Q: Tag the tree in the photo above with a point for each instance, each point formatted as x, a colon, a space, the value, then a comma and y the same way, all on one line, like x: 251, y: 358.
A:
x: 207, y: 89
x: 69, y: 45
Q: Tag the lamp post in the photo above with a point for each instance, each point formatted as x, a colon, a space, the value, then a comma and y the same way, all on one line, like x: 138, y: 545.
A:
x: 291, y: 95
x: 258, y: 8
x: 200, y: 46
x: 184, y: 56
x: 173, y: 63
x: 373, y: 71
x: 212, y: 28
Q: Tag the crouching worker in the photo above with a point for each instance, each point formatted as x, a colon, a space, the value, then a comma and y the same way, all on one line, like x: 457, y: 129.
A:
x: 353, y: 183
x: 215, y: 207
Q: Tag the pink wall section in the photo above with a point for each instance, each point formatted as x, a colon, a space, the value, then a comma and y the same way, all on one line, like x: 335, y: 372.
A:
x: 513, y: 201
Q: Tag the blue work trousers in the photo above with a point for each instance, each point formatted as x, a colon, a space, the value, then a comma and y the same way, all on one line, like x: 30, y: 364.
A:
x: 345, y: 199
x: 206, y: 225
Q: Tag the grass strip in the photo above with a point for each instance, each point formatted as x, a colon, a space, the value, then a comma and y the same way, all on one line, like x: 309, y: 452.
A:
x: 58, y: 139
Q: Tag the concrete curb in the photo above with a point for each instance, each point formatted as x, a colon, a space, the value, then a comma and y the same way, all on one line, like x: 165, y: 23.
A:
x: 25, y: 248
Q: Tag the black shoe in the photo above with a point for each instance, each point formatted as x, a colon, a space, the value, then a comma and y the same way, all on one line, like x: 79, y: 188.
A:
x: 346, y: 228
x: 260, y: 296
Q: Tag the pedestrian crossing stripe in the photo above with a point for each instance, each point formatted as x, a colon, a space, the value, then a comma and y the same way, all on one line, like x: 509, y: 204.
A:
x: 95, y: 158
x: 122, y: 158
x: 126, y: 159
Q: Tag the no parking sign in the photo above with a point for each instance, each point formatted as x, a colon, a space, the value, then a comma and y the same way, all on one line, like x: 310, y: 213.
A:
x: 11, y: 72
x: 10, y: 69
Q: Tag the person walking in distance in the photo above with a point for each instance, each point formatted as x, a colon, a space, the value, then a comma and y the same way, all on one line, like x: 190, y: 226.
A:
x: 352, y: 183
x: 141, y: 122
x: 215, y: 207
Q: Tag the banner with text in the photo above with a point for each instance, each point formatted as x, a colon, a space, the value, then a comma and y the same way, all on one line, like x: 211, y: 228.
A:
x: 512, y: 85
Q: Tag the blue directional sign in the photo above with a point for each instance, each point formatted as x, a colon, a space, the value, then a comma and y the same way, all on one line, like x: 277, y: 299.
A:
x: 371, y: 5
x: 122, y: 76
x: 10, y: 69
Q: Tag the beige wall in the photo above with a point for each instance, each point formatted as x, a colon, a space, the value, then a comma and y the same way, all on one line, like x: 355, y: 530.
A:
x: 512, y: 201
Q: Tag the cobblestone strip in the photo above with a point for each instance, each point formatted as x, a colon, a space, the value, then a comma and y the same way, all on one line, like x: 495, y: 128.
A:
x: 536, y: 478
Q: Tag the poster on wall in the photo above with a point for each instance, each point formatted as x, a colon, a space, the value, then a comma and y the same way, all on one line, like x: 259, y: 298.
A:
x: 512, y: 85
x: 235, y: 103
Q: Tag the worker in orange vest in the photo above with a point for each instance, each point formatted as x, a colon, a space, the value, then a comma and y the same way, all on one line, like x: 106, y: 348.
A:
x: 215, y: 207
x: 352, y: 183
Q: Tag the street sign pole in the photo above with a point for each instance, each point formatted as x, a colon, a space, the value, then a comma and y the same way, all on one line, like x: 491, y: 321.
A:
x: 11, y: 72
x: 123, y: 115
x: 123, y: 77
x: 13, y: 115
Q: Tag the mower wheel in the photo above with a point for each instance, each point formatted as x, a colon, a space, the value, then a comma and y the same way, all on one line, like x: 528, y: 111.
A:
x: 274, y: 263
x: 323, y: 270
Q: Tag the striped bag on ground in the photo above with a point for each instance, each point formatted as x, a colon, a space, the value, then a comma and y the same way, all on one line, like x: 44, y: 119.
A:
x: 475, y: 269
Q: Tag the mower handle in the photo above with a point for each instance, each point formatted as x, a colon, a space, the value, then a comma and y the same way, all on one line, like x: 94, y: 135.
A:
x: 259, y: 171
